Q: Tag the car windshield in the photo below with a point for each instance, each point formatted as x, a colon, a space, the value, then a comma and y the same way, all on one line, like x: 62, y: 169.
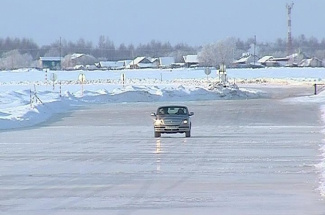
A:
x: 172, y: 111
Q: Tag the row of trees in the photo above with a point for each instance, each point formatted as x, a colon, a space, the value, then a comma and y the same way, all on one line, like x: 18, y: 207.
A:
x: 16, y: 53
x: 104, y: 50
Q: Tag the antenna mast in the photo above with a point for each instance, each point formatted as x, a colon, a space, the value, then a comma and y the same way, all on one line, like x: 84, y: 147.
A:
x: 289, y: 42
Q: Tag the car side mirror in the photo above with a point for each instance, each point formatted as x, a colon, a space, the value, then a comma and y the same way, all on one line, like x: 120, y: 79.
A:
x: 191, y: 113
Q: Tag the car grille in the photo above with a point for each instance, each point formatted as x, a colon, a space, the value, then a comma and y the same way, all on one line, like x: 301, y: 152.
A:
x: 172, y: 122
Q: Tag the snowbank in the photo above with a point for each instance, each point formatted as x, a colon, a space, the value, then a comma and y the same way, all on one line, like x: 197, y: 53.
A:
x: 29, y: 96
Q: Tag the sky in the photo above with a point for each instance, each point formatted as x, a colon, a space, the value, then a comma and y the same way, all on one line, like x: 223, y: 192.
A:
x: 140, y: 21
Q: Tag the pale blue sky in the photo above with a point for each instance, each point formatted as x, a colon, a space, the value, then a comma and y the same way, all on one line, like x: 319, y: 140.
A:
x: 176, y: 21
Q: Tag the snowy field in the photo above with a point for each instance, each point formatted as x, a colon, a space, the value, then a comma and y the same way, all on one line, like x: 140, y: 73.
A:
x: 30, y: 98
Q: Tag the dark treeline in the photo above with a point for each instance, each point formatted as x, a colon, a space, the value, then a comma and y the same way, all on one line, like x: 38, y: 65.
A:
x: 105, y: 49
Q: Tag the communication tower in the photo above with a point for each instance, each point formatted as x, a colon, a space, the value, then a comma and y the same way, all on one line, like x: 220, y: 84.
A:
x: 289, y: 42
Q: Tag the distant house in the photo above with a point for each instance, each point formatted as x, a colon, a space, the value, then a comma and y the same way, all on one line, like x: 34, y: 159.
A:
x: 191, y: 61
x: 78, y: 61
x: 177, y: 65
x: 247, y: 60
x: 113, y: 65
x: 166, y: 62
x: 270, y: 61
x: 53, y: 63
x: 311, y: 62
x: 265, y: 59
x: 142, y: 63
x: 83, y: 59
x: 289, y: 61
x: 296, y: 58
x: 154, y: 61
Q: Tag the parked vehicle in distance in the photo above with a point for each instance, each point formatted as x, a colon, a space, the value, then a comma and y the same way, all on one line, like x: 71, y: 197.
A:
x: 172, y: 119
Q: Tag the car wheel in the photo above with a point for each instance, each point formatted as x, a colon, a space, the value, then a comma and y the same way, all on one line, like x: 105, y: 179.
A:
x: 188, y: 133
x: 157, y: 134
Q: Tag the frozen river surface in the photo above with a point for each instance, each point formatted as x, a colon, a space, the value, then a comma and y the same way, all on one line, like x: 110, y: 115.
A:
x: 244, y: 157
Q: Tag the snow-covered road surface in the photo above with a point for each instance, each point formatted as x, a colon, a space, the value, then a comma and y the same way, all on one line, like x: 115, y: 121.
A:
x: 253, y: 156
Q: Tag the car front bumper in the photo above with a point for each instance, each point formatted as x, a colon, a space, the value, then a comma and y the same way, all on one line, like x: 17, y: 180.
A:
x: 172, y: 129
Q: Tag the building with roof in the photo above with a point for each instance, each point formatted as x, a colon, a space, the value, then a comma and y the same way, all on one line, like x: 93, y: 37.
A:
x: 53, y: 63
x: 270, y: 61
x: 296, y: 58
x: 264, y: 59
x: 289, y: 61
x: 166, y: 62
x: 191, y: 61
x: 247, y: 60
x: 142, y: 63
x: 311, y: 62
x: 78, y: 61
x: 113, y: 65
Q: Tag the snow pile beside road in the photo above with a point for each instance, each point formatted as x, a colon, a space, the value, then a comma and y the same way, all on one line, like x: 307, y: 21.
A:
x: 20, y: 87
x: 26, y: 108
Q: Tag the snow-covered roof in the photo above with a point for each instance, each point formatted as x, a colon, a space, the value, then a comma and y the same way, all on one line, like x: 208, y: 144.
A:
x: 152, y: 59
x: 264, y: 59
x: 166, y: 61
x: 111, y: 64
x: 242, y: 60
x: 305, y: 62
x: 298, y: 54
x: 139, y: 60
x: 50, y: 58
x: 191, y: 59
x: 76, y: 55
x: 310, y: 62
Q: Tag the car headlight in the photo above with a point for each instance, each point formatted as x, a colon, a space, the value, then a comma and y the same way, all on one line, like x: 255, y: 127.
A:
x: 159, y: 122
x: 185, y: 121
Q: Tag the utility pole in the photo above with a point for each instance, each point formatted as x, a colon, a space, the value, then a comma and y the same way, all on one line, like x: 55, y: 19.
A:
x: 254, y: 49
x: 60, y: 55
x: 289, y: 42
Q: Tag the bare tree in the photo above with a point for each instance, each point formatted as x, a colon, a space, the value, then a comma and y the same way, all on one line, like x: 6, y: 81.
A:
x: 208, y: 55
x: 15, y: 60
x: 221, y: 52
x: 320, y: 54
x: 52, y: 52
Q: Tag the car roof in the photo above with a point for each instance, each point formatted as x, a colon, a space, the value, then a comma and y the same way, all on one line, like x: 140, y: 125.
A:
x: 174, y: 106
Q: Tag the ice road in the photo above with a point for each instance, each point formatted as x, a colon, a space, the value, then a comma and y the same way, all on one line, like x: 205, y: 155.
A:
x: 252, y: 156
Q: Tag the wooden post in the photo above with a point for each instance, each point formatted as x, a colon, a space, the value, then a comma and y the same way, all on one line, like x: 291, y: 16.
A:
x: 30, y: 98
x: 315, y: 89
